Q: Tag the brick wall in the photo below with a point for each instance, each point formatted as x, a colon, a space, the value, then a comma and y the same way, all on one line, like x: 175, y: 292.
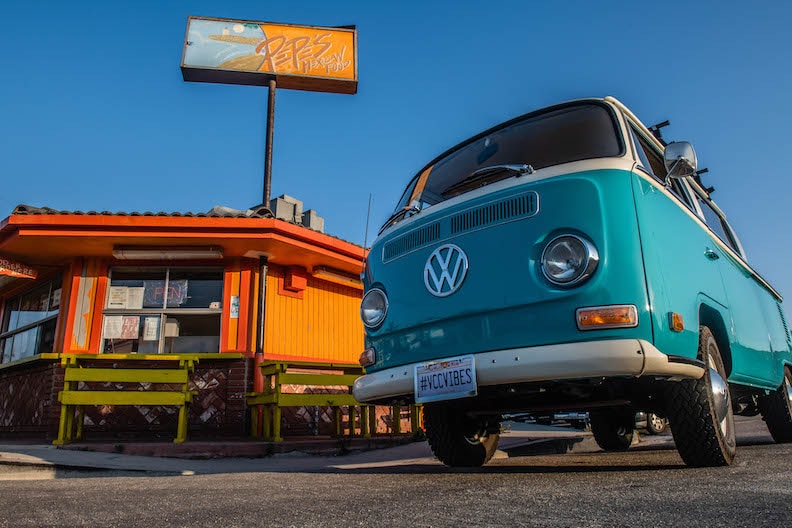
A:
x: 29, y: 400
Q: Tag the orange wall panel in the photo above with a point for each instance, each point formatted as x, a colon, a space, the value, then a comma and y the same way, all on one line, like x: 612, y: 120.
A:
x: 322, y: 326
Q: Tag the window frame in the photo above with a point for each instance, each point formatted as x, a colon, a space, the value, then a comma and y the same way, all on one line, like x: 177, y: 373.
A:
x: 53, y: 284
x: 612, y: 112
x: 641, y: 144
x: 164, y: 311
x: 732, y: 241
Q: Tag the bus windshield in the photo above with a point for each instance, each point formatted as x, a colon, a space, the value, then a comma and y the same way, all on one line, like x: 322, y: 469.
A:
x: 574, y: 132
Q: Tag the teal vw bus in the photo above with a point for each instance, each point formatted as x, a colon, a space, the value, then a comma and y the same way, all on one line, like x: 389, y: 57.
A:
x: 570, y: 260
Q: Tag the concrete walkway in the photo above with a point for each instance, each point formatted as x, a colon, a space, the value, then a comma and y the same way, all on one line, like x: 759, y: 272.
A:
x: 19, y: 461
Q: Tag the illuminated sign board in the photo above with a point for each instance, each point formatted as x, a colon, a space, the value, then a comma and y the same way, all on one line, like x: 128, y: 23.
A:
x: 310, y: 58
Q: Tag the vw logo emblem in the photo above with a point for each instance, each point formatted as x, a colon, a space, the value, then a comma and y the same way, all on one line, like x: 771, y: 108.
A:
x: 445, y: 270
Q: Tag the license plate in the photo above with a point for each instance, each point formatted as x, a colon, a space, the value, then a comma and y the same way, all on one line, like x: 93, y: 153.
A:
x: 445, y: 380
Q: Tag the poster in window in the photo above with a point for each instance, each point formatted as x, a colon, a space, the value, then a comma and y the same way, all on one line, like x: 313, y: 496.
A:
x: 113, y: 326
x: 55, y: 299
x: 151, y: 328
x: 135, y: 298
x: 117, y: 298
x: 130, y: 327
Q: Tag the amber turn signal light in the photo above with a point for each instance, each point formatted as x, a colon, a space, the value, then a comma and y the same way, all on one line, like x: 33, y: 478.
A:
x: 368, y: 357
x: 603, y: 317
x: 675, y: 322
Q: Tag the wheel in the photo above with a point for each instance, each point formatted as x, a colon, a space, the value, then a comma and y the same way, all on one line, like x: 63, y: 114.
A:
x: 776, y: 410
x: 655, y: 424
x: 457, y: 440
x: 613, y: 428
x: 700, y: 411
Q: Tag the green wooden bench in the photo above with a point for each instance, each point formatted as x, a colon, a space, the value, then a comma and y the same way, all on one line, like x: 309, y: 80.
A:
x: 309, y: 374
x: 122, y: 368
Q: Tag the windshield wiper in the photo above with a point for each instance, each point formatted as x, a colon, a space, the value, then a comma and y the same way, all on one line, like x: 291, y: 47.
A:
x: 398, y: 215
x: 485, y: 172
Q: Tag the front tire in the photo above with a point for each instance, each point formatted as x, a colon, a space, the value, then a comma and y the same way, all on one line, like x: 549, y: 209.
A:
x: 613, y: 428
x: 457, y: 440
x: 700, y: 411
x: 776, y: 410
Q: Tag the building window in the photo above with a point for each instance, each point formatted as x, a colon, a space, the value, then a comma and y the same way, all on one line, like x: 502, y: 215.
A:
x: 163, y: 310
x: 29, y: 322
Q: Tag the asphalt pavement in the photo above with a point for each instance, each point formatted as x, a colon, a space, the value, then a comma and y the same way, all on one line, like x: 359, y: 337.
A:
x: 43, y: 461
x: 540, y: 477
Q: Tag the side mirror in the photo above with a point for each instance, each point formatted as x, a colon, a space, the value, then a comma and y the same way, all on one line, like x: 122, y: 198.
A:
x: 680, y: 160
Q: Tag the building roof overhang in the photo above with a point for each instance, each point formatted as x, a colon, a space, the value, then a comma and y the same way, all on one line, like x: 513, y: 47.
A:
x: 56, y: 239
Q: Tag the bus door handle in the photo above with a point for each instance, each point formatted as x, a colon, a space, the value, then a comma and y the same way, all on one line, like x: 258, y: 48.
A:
x: 710, y: 254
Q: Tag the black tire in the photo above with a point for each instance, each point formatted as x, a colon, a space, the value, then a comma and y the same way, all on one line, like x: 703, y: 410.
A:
x: 654, y: 424
x: 700, y: 411
x: 776, y: 410
x: 456, y: 440
x: 613, y: 428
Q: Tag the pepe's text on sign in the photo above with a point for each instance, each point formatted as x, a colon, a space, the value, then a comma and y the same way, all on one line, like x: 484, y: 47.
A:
x: 298, y: 57
x: 302, y: 53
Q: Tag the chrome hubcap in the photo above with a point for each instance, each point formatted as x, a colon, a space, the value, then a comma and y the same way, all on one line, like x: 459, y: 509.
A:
x: 788, y: 386
x: 479, y: 436
x: 720, y: 394
x: 657, y: 422
x: 721, y: 401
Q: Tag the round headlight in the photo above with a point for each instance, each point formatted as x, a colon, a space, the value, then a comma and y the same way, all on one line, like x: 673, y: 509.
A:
x: 568, y: 260
x: 374, y: 308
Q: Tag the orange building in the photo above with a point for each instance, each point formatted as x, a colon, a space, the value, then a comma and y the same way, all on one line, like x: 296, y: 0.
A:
x: 169, y: 283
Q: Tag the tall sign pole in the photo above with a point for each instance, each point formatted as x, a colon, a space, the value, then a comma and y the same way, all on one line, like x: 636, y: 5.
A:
x: 319, y: 59
x: 268, y: 147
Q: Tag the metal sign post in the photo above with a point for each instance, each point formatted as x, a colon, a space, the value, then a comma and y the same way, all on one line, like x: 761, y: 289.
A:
x: 268, y: 147
x: 312, y: 58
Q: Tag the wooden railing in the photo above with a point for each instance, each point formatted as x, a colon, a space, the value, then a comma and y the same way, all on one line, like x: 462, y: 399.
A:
x: 158, y: 370
x: 338, y: 377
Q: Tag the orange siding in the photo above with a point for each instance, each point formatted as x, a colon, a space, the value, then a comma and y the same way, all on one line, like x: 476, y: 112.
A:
x: 245, y: 299
x: 83, y: 321
x: 229, y: 339
x: 324, y: 325
x: 95, y: 339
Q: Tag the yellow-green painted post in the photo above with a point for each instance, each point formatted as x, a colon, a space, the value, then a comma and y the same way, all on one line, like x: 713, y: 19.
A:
x: 338, y: 417
x: 365, y: 430
x: 276, y: 423
x: 63, y: 426
x: 352, y: 420
x: 181, y: 430
x: 80, y: 421
x: 266, y: 416
x: 254, y: 422
x: 415, y: 418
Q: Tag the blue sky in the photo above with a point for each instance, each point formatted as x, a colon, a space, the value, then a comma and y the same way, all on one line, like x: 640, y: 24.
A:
x: 94, y: 114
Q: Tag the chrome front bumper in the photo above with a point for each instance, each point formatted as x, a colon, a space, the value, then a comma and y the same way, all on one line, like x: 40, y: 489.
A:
x: 591, y: 359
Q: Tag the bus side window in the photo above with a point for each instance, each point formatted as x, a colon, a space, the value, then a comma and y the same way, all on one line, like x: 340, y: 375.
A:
x: 715, y: 222
x: 645, y: 165
x: 652, y: 162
